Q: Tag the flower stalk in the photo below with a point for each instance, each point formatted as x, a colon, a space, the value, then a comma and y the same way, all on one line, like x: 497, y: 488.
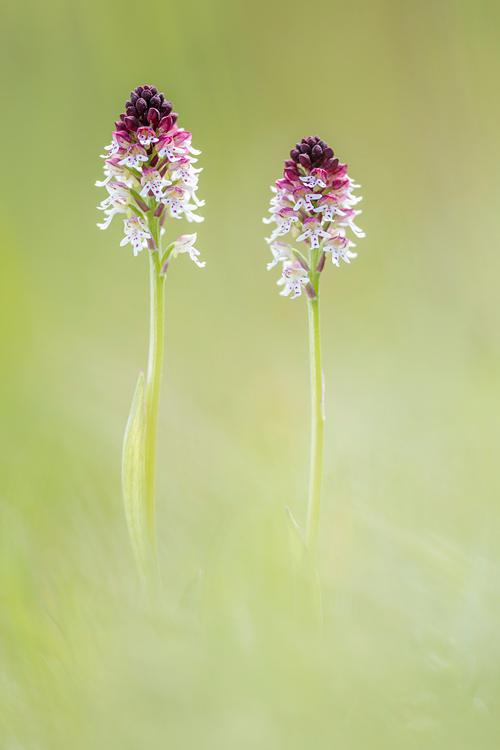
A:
x: 317, y: 420
x: 155, y: 367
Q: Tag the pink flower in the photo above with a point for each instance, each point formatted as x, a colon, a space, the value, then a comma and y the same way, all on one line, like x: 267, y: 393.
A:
x: 284, y: 218
x: 303, y: 197
x: 136, y: 154
x: 146, y: 136
x: 313, y: 230
x: 153, y: 183
x: 317, y: 177
x: 294, y: 278
x: 175, y: 198
x: 136, y: 230
x: 281, y: 251
x: 329, y: 206
x: 339, y: 246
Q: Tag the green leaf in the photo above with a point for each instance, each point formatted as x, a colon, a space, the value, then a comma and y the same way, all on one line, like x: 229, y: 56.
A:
x: 134, y: 483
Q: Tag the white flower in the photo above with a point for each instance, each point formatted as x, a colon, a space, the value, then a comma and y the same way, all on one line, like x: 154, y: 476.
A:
x: 329, y: 206
x: 113, y: 149
x: 118, y: 193
x: 281, y: 251
x: 339, y: 246
x: 347, y: 220
x: 284, y: 218
x: 183, y: 170
x: 146, y: 136
x: 185, y: 244
x: 313, y: 231
x: 168, y: 147
x: 189, y: 183
x: 190, y: 216
x: 192, y: 150
x: 117, y: 202
x: 316, y: 178
x: 136, y: 230
x: 120, y: 174
x: 175, y: 198
x: 294, y: 277
x: 282, y: 199
x: 303, y: 197
x: 135, y: 155
x: 151, y: 180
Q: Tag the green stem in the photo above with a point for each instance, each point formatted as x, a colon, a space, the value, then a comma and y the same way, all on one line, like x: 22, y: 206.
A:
x: 318, y: 418
x: 155, y: 365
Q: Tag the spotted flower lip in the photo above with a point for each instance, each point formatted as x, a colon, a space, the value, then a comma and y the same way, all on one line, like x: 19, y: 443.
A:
x: 314, y: 202
x: 174, y: 198
x: 153, y: 184
x: 313, y: 231
x: 294, y: 278
x: 304, y: 196
x: 149, y: 169
x: 284, y: 217
x: 338, y: 246
x: 329, y: 205
x: 134, y: 156
x: 317, y: 177
x: 136, y: 230
x: 146, y: 135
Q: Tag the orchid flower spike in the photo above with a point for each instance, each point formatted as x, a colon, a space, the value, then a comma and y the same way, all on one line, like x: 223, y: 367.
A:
x: 314, y: 203
x: 149, y: 170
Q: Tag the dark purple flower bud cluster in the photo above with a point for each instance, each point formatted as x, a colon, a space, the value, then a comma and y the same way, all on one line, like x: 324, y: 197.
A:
x: 145, y: 107
x: 313, y: 153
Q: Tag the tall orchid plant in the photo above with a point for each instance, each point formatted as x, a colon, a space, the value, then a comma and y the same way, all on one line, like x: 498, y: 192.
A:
x: 314, y: 203
x: 149, y: 176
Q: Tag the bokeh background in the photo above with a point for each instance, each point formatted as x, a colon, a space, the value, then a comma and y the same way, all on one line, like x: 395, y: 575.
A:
x: 409, y: 656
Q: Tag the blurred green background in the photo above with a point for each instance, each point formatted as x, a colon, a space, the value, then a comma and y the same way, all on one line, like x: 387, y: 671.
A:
x: 407, y: 94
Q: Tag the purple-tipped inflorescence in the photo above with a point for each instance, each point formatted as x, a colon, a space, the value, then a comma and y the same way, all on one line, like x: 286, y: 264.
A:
x: 314, y: 202
x: 145, y: 107
x: 149, y: 172
x: 312, y: 153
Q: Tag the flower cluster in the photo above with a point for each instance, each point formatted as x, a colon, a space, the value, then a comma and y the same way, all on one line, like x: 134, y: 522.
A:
x: 149, y: 172
x: 314, y: 202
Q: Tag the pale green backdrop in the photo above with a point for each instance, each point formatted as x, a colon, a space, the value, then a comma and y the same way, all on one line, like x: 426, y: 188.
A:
x: 407, y: 94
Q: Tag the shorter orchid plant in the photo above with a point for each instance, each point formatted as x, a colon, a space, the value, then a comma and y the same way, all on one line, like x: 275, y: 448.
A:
x: 149, y: 176
x: 313, y: 203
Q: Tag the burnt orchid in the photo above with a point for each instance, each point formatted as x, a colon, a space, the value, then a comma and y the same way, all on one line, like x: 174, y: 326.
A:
x: 313, y: 203
x: 149, y: 172
x: 149, y: 176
